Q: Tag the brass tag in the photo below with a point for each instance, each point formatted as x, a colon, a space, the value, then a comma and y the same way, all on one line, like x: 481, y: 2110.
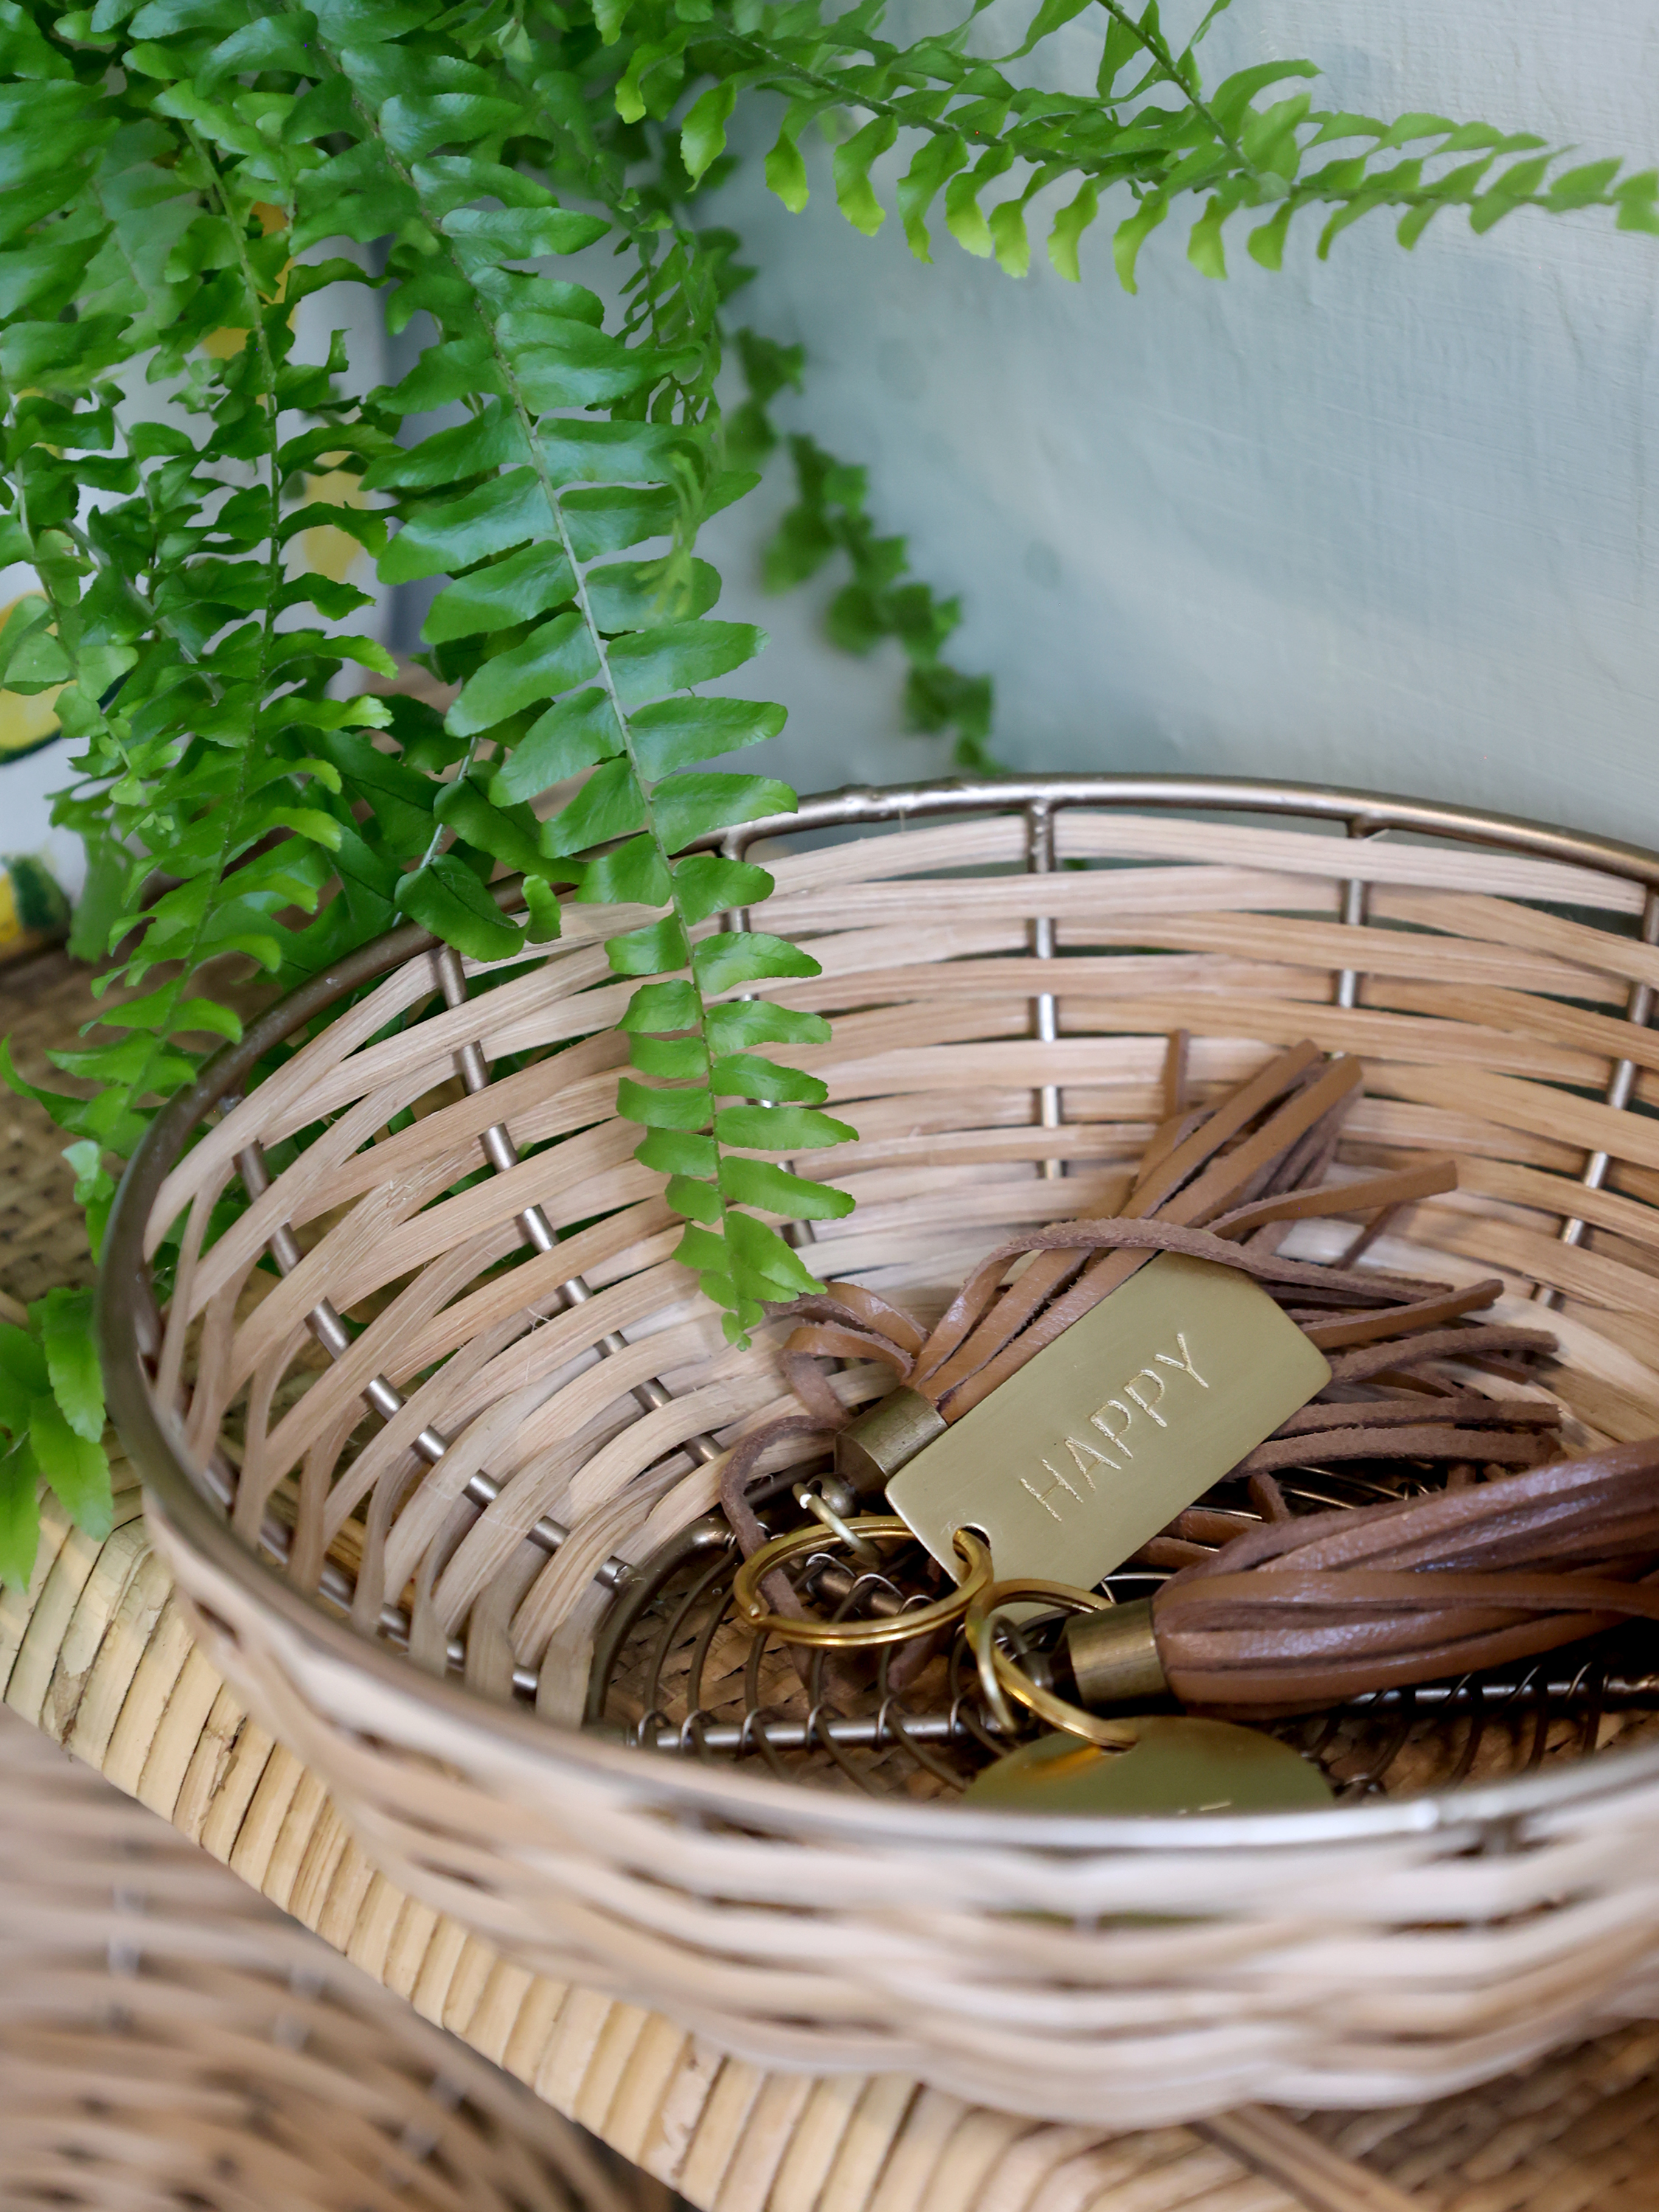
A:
x: 1179, y: 1765
x: 1115, y: 1427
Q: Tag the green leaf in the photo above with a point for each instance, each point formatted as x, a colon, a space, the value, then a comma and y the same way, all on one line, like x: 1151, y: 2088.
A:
x: 78, y: 1470
x: 560, y: 361
x: 1636, y: 197
x: 465, y: 810
x: 702, y: 135
x: 1070, y: 224
x: 649, y: 951
x: 1517, y: 183
x: 1008, y: 236
x: 709, y: 883
x: 676, y: 1058
x: 71, y: 1351
x: 780, y: 1129
x: 542, y: 908
x: 23, y: 1360
x: 446, y: 898
x: 938, y: 159
x: 579, y: 732
x: 683, y: 1109
x: 962, y: 218
x: 1131, y: 235
x: 608, y: 806
x: 690, y: 806
x: 757, y: 1021
x: 735, y: 957
x: 1586, y: 187
x: 679, y: 654
x: 553, y: 659
x: 1231, y: 97
x: 682, y: 731
x: 1204, y: 247
x: 451, y: 534
x: 578, y: 451
x: 519, y: 233
x: 20, y: 1517
x: 16, y: 1400
x: 785, y: 172
x: 286, y: 41
x: 630, y: 874
x: 447, y: 181
x: 492, y: 440
x: 694, y: 1200
x: 773, y: 1189
x: 610, y: 518
x: 762, y: 1256
x: 676, y: 1151
x: 31, y: 658
x: 854, y: 191
x: 1266, y: 243
x: 419, y: 126
x: 630, y: 595
x: 658, y: 1006
x: 165, y: 19
x: 706, y: 1253
x: 511, y: 591
x: 744, y: 1075
x: 1345, y: 216
x: 1049, y: 17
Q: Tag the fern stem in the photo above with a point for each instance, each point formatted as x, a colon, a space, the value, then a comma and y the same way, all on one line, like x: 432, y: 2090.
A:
x: 1155, y: 43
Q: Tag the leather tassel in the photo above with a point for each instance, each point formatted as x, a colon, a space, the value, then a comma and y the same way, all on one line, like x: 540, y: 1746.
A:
x: 1295, y: 1615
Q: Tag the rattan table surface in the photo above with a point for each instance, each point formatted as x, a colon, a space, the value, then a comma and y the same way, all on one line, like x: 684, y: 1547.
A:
x: 99, y: 1655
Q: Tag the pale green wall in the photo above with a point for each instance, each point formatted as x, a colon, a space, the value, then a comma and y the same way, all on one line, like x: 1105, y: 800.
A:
x: 1389, y: 520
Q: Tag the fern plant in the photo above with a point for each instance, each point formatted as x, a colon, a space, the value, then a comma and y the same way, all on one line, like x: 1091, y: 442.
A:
x: 178, y: 176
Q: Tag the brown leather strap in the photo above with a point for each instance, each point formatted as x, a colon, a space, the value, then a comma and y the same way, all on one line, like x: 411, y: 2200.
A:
x: 994, y: 1354
x: 1421, y: 1440
x: 1296, y: 1614
x: 949, y: 1355
x: 1368, y: 1328
x: 869, y: 1311
x: 836, y: 1341
x: 1376, y: 1359
x: 1386, y: 1190
x: 1467, y: 1407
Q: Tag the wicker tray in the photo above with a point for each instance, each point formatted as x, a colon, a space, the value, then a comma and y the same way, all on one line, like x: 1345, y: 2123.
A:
x: 167, y: 2039
x: 1001, y: 1013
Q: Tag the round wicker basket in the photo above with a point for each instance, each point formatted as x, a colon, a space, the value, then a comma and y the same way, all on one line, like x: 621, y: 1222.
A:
x: 1004, y: 963
x: 168, y: 2039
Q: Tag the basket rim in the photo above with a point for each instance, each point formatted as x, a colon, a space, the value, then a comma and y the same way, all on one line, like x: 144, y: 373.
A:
x: 126, y: 1321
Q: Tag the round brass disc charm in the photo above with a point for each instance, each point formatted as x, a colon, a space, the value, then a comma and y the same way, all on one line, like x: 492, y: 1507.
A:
x: 1179, y: 1764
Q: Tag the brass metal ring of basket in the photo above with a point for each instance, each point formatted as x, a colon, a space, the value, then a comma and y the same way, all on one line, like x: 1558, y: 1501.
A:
x: 851, y: 1635
x: 998, y: 1673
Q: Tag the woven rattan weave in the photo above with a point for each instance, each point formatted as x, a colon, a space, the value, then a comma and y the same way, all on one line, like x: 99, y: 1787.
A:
x: 169, y: 2040
x: 1003, y: 969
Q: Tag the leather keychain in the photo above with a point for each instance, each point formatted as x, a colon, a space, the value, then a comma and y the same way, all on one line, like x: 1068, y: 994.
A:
x: 1068, y: 1414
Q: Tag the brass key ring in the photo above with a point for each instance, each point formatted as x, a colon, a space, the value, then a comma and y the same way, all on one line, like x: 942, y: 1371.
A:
x: 849, y: 1635
x: 998, y: 1672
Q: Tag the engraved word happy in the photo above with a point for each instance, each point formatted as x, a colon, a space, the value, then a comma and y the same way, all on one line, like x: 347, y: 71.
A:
x: 1132, y: 1403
